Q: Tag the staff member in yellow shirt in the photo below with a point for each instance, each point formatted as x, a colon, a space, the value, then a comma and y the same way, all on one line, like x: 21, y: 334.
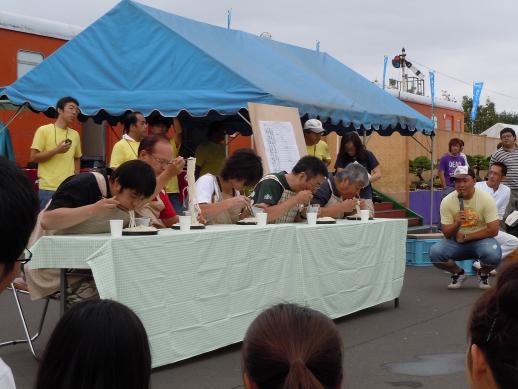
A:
x: 135, y: 128
x: 159, y: 125
x: 211, y: 154
x: 314, y: 144
x: 57, y: 149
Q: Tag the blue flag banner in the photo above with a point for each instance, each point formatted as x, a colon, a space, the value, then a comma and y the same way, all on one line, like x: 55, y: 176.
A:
x: 477, y: 89
x: 384, y: 70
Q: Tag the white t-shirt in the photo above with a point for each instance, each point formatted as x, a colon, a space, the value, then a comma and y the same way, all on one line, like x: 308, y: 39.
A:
x: 501, y: 196
x: 6, y: 376
x: 206, y: 187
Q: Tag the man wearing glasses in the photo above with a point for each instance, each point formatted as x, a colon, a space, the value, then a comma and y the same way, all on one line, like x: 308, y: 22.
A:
x: 156, y: 151
x: 57, y: 149
x: 18, y: 214
x: 508, y: 155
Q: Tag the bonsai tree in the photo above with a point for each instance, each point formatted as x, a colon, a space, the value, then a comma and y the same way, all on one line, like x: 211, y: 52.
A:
x: 478, y: 163
x: 417, y: 167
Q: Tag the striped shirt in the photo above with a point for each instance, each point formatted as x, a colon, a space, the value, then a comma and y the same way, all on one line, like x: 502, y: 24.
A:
x: 510, y: 159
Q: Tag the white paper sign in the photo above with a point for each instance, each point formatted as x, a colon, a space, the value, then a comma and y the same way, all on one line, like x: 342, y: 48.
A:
x: 280, y: 145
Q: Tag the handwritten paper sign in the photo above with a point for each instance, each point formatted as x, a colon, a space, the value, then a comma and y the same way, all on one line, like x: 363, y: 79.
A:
x: 280, y: 145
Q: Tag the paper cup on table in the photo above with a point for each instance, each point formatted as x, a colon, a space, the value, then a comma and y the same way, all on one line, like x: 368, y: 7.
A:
x: 142, y: 221
x: 313, y: 208
x: 185, y: 223
x: 312, y: 218
x: 116, y: 228
x: 262, y: 218
x: 256, y: 211
x: 365, y: 214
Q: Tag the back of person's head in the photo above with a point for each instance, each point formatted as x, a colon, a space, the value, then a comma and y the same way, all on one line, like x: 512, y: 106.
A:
x: 130, y: 119
x: 355, y: 174
x: 493, y: 328
x: 502, y: 166
x: 97, y: 344
x: 455, y: 142
x: 18, y: 213
x: 508, y: 130
x: 135, y: 175
x: 216, y: 130
x: 155, y: 120
x: 64, y: 101
x: 244, y: 165
x: 292, y: 347
x: 311, y: 166
x: 148, y: 143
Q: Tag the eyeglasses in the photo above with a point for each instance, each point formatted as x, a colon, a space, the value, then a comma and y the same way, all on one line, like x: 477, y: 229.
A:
x: 25, y: 257
x: 162, y: 162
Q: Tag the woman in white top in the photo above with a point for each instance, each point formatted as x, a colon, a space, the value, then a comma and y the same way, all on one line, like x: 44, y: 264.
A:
x: 219, y: 196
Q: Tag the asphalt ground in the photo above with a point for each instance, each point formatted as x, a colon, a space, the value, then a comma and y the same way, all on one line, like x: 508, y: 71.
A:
x: 421, y: 344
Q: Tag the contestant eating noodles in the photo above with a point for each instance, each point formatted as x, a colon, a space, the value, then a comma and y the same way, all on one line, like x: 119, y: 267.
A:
x: 219, y: 197
x: 338, y: 196
x: 84, y: 204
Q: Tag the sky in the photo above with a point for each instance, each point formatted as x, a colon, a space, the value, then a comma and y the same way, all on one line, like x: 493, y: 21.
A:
x: 463, y: 41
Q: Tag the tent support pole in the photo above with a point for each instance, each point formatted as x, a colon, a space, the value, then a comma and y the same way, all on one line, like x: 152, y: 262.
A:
x: 432, y: 153
x: 250, y: 124
x: 14, y: 116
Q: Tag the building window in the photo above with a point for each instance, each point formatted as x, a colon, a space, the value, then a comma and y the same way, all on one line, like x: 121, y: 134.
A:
x: 27, y: 60
x: 435, y: 122
x: 459, y: 126
x: 448, y: 123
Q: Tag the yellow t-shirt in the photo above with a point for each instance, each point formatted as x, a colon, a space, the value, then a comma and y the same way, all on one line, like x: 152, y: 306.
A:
x: 320, y: 150
x: 172, y: 185
x: 123, y: 151
x: 55, y: 170
x: 479, y: 210
x: 210, y: 157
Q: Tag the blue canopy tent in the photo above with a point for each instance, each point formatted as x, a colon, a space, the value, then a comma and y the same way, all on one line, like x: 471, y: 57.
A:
x: 139, y: 58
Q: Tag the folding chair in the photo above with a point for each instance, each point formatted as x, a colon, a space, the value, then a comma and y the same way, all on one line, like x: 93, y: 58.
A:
x: 29, y: 339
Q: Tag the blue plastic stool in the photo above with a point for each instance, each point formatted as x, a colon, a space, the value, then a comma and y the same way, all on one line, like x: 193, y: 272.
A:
x: 467, y: 265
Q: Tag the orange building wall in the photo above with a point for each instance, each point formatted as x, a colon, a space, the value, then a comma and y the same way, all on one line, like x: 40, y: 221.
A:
x: 23, y: 128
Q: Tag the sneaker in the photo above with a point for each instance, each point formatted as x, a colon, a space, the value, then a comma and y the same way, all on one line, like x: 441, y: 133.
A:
x: 476, y: 265
x: 456, y: 280
x: 483, y: 281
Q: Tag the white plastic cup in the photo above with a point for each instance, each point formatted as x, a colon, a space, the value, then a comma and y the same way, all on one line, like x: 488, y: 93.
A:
x: 256, y: 211
x: 185, y: 222
x: 116, y: 228
x: 312, y: 218
x: 142, y: 221
x: 365, y: 214
x: 262, y: 218
x: 313, y: 208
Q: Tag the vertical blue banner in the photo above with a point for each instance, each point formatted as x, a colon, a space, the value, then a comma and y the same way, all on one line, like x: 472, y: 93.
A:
x: 384, y: 70
x: 477, y: 89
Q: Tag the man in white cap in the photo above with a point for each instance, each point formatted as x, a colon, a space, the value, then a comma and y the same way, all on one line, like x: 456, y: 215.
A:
x: 315, y: 146
x: 470, y: 224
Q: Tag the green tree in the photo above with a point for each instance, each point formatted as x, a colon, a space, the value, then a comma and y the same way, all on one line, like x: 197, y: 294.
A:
x: 508, y: 117
x: 486, y: 116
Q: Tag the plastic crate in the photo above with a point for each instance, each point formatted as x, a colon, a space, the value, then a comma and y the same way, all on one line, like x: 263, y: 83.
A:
x: 418, y: 251
x: 418, y: 254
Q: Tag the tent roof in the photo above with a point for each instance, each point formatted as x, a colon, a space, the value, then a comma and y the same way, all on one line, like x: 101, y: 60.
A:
x: 494, y: 130
x: 139, y: 58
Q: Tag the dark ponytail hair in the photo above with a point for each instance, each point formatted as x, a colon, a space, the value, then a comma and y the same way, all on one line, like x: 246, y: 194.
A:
x: 292, y: 347
x: 493, y: 327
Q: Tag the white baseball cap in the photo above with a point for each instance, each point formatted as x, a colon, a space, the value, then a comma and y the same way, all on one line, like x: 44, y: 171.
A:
x: 314, y: 125
x: 463, y: 172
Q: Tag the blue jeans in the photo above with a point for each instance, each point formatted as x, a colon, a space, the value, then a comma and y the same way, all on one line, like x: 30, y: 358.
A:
x: 44, y: 196
x: 487, y: 250
x: 174, y: 198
